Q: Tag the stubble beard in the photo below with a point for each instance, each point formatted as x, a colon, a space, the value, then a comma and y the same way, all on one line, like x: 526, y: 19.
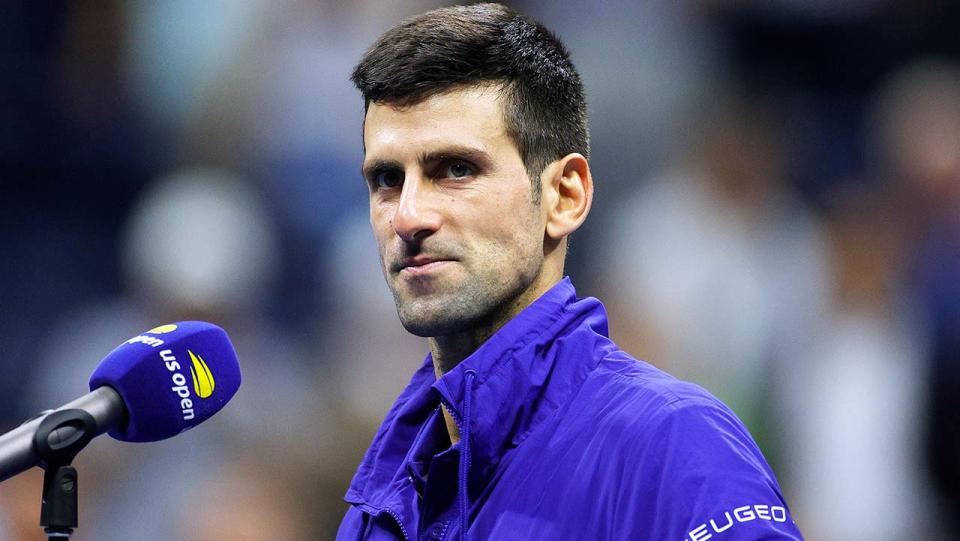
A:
x: 481, y: 301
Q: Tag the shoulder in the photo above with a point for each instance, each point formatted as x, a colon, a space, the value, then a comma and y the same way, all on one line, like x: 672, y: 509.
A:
x: 657, y: 411
x: 645, y: 396
x: 682, y: 451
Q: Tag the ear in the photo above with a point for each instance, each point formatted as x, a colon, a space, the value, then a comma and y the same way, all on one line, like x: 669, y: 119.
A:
x: 567, y: 195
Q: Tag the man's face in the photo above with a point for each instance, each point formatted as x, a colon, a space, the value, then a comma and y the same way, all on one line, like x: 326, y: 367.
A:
x: 451, y: 205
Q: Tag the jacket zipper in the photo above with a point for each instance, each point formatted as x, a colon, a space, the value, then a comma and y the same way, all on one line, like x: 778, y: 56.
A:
x: 464, y: 467
x: 456, y: 419
x: 453, y: 413
x: 396, y: 517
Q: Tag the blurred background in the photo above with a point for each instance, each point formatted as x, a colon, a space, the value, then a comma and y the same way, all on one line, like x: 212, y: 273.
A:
x: 777, y: 218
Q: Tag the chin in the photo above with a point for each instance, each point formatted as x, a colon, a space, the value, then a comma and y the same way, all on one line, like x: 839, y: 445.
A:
x: 421, y: 324
x: 457, y: 308
x: 421, y: 328
x: 436, y: 317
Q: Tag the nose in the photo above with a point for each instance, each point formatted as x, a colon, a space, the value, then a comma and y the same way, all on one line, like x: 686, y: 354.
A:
x: 416, y: 215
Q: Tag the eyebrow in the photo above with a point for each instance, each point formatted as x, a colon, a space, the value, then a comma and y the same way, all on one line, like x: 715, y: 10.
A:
x: 457, y: 152
x: 378, y: 166
x: 474, y: 155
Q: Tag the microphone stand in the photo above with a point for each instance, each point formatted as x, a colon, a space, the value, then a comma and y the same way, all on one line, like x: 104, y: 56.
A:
x: 60, y: 437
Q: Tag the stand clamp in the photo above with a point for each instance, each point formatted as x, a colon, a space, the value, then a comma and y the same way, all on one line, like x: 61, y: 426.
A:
x: 60, y: 436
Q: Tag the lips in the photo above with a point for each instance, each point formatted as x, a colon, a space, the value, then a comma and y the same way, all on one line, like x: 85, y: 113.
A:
x: 421, y: 264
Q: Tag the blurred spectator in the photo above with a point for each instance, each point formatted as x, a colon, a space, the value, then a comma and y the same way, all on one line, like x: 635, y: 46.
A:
x: 715, y: 268
x: 243, y: 501
x: 853, y: 396
x: 73, y: 155
x: 20, y: 507
x: 918, y: 130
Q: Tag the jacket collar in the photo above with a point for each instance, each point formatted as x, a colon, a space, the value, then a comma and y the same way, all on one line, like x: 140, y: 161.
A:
x: 524, y: 372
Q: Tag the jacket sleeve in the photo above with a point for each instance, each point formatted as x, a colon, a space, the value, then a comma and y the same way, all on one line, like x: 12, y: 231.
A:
x: 352, y: 525
x: 699, y: 475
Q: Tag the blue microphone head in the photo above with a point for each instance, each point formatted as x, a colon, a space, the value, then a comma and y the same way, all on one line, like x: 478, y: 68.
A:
x: 172, y: 378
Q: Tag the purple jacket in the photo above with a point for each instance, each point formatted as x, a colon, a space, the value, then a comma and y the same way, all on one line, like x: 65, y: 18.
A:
x: 563, y: 436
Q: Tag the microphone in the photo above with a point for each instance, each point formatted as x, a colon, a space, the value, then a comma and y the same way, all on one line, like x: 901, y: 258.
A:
x: 151, y: 387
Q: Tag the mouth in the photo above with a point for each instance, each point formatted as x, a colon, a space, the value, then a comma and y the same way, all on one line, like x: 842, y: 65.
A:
x: 420, y: 265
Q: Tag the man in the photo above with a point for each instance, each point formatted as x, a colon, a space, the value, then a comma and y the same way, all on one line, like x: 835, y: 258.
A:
x: 525, y: 421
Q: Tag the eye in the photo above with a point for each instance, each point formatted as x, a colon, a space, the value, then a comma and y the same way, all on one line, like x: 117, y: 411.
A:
x: 458, y: 169
x: 390, y: 178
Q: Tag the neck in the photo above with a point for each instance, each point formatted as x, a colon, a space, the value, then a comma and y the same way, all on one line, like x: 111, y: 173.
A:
x: 447, y: 354
x: 449, y: 350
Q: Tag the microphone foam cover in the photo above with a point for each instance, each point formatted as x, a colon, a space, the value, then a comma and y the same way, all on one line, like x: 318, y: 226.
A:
x: 172, y: 378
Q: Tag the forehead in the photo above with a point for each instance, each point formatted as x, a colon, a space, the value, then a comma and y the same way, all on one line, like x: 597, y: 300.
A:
x: 467, y: 117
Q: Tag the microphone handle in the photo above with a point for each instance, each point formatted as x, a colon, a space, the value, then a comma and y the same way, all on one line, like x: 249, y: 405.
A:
x: 17, y: 453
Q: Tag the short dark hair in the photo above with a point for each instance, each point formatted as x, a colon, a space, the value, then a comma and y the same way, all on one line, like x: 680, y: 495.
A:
x: 545, y: 111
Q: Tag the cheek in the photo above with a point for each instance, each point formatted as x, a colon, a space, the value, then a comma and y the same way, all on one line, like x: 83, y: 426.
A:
x: 381, y: 217
x: 516, y: 228
x: 382, y: 230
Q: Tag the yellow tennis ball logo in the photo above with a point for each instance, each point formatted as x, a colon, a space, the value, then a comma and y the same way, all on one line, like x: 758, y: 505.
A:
x: 163, y: 329
x: 203, y: 383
